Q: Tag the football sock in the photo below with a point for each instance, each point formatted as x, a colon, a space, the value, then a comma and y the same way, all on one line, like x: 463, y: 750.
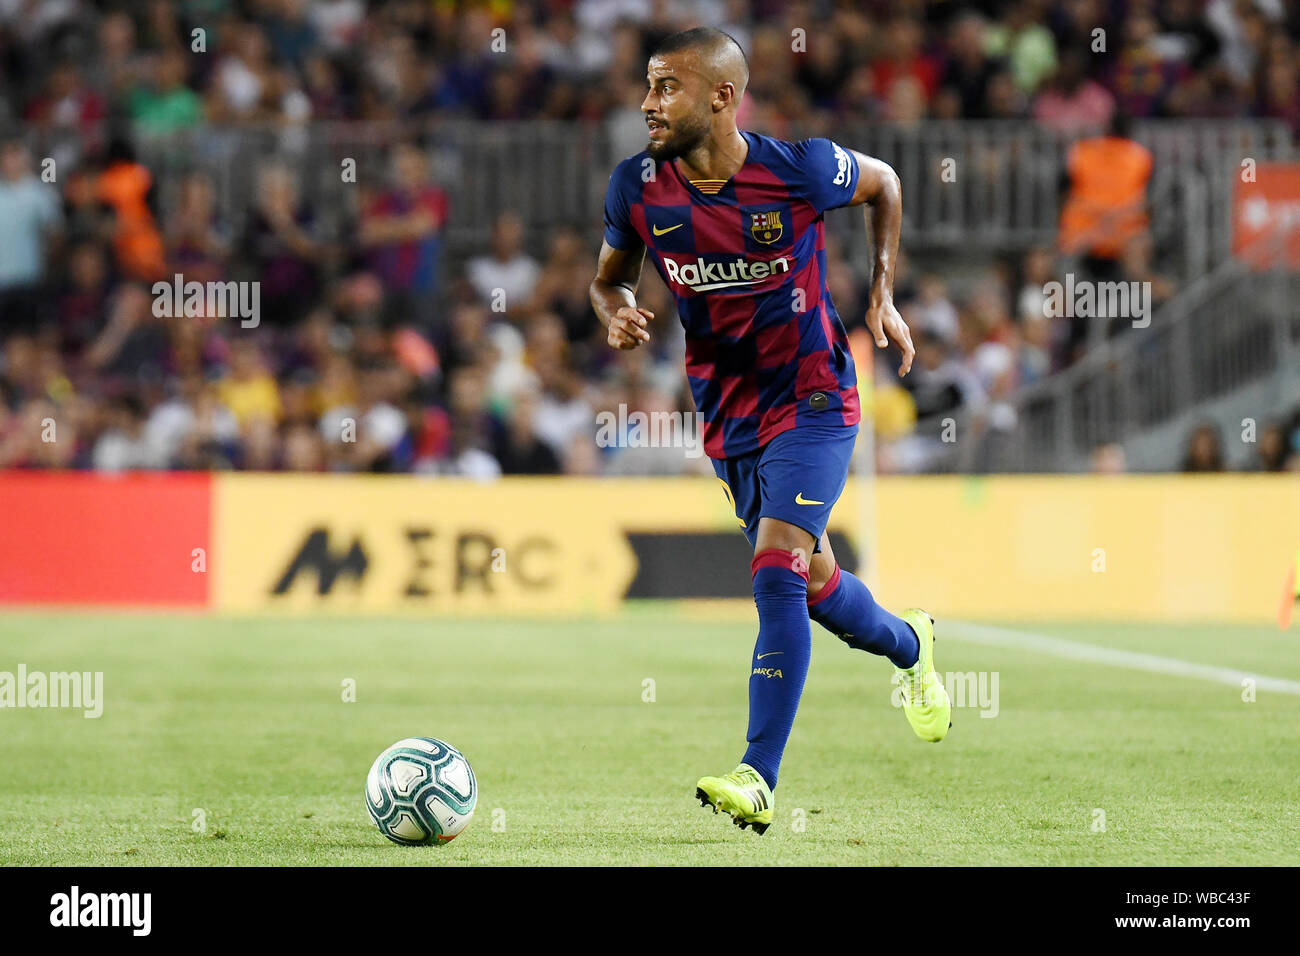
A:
x: 781, y: 657
x: 845, y: 607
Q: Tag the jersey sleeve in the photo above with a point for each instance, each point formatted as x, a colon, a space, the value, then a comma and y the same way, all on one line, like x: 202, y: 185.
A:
x: 619, y: 232
x: 828, y: 173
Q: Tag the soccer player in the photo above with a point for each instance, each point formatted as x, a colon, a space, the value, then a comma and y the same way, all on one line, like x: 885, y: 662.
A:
x: 734, y: 224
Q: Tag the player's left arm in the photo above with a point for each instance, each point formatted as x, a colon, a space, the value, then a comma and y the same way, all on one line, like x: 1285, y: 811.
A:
x: 879, y: 189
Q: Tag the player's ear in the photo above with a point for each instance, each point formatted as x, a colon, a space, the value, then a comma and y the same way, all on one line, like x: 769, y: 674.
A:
x: 723, y: 94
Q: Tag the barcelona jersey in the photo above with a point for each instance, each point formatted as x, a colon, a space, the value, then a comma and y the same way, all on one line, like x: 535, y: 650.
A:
x: 745, y: 261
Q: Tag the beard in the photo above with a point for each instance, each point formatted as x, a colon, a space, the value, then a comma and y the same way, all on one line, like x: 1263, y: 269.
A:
x: 684, y: 136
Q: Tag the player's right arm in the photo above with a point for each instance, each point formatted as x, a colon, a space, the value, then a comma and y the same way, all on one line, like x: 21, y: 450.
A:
x: 613, y: 296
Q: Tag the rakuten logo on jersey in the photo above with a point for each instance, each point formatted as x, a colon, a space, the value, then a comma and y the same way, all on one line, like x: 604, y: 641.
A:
x: 701, y: 276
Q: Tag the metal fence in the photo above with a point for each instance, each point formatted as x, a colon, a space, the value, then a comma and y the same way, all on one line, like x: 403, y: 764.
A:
x: 548, y: 173
x: 1236, y: 325
x: 991, y: 185
x: 997, y: 185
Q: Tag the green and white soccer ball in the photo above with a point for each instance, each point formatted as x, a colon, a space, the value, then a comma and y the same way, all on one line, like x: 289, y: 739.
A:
x: 421, y: 790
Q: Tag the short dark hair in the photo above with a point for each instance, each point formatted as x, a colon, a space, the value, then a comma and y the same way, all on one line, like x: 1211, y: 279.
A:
x: 697, y: 37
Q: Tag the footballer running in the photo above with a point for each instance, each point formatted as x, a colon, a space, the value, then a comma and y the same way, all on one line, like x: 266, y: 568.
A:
x: 734, y: 224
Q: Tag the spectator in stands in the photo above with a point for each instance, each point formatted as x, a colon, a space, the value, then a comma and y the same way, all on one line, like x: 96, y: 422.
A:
x: 843, y: 285
x: 1003, y: 99
x: 1184, y: 33
x: 905, y: 103
x: 1204, y: 449
x: 1279, y: 85
x: 117, y: 65
x: 31, y: 371
x: 970, y: 68
x: 823, y: 71
x: 167, y: 103
x: 1210, y: 92
x: 991, y: 345
x: 1142, y: 77
x: 121, y: 444
x: 1272, y: 450
x: 401, y: 230
x: 68, y: 104
x: 82, y: 298
x: 337, y: 23
x: 281, y: 247
x: 1077, y: 24
x: 369, y: 436
x: 29, y: 220
x: 1106, y: 203
x: 210, y: 439
x: 506, y: 278
x: 471, y: 427
x: 291, y: 32
x: 85, y: 218
x: 934, y: 311
x: 133, y: 346
x: 1108, y: 459
x: 249, y: 390
x: 1044, y: 337
x: 1025, y: 42
x: 1072, y: 102
x: 562, y: 405
x: 303, y: 449
x: 324, y: 89
x: 1240, y: 27
x: 517, y: 447
x: 20, y: 442
x: 939, y: 383
x: 196, y: 244
x: 126, y: 188
x: 238, y: 82
x: 1037, y: 269
x: 563, y: 283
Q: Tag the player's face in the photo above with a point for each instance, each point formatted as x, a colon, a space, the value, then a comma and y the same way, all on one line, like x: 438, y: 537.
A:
x: 676, y: 107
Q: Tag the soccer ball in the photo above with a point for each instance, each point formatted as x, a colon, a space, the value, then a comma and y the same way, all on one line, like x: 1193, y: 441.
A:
x: 421, y: 790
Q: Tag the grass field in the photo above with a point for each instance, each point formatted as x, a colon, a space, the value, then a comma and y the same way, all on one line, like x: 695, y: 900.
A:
x: 244, y: 720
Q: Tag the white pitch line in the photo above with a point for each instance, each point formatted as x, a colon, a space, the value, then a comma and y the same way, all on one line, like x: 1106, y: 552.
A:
x: 1078, y: 651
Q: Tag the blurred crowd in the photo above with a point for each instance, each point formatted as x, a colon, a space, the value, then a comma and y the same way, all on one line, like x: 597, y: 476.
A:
x: 1270, y: 446
x: 359, y: 356
x: 1063, y: 62
x: 371, y: 351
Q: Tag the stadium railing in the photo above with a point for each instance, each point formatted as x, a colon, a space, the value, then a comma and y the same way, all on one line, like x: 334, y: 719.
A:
x: 995, y: 183
x: 1234, y: 326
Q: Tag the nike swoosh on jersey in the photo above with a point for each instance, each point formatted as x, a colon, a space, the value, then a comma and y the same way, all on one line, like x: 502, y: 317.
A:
x: 799, y: 499
x: 659, y: 232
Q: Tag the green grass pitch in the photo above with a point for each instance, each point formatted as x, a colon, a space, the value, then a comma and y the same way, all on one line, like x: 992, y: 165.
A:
x: 244, y: 720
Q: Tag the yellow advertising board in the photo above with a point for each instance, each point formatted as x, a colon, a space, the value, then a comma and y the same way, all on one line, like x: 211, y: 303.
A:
x: 1004, y: 548
x: 379, y: 544
x: 1173, y: 548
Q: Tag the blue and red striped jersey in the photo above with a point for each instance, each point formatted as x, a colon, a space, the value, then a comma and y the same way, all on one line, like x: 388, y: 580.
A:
x: 746, y: 262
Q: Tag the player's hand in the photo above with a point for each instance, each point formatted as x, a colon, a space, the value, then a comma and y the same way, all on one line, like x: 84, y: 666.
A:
x: 627, y: 329
x: 886, y: 325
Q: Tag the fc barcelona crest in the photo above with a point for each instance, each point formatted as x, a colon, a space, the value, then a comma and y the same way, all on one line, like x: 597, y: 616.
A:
x: 765, y: 226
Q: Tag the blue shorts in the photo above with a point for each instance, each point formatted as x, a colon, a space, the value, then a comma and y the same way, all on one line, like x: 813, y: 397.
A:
x: 796, y: 477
